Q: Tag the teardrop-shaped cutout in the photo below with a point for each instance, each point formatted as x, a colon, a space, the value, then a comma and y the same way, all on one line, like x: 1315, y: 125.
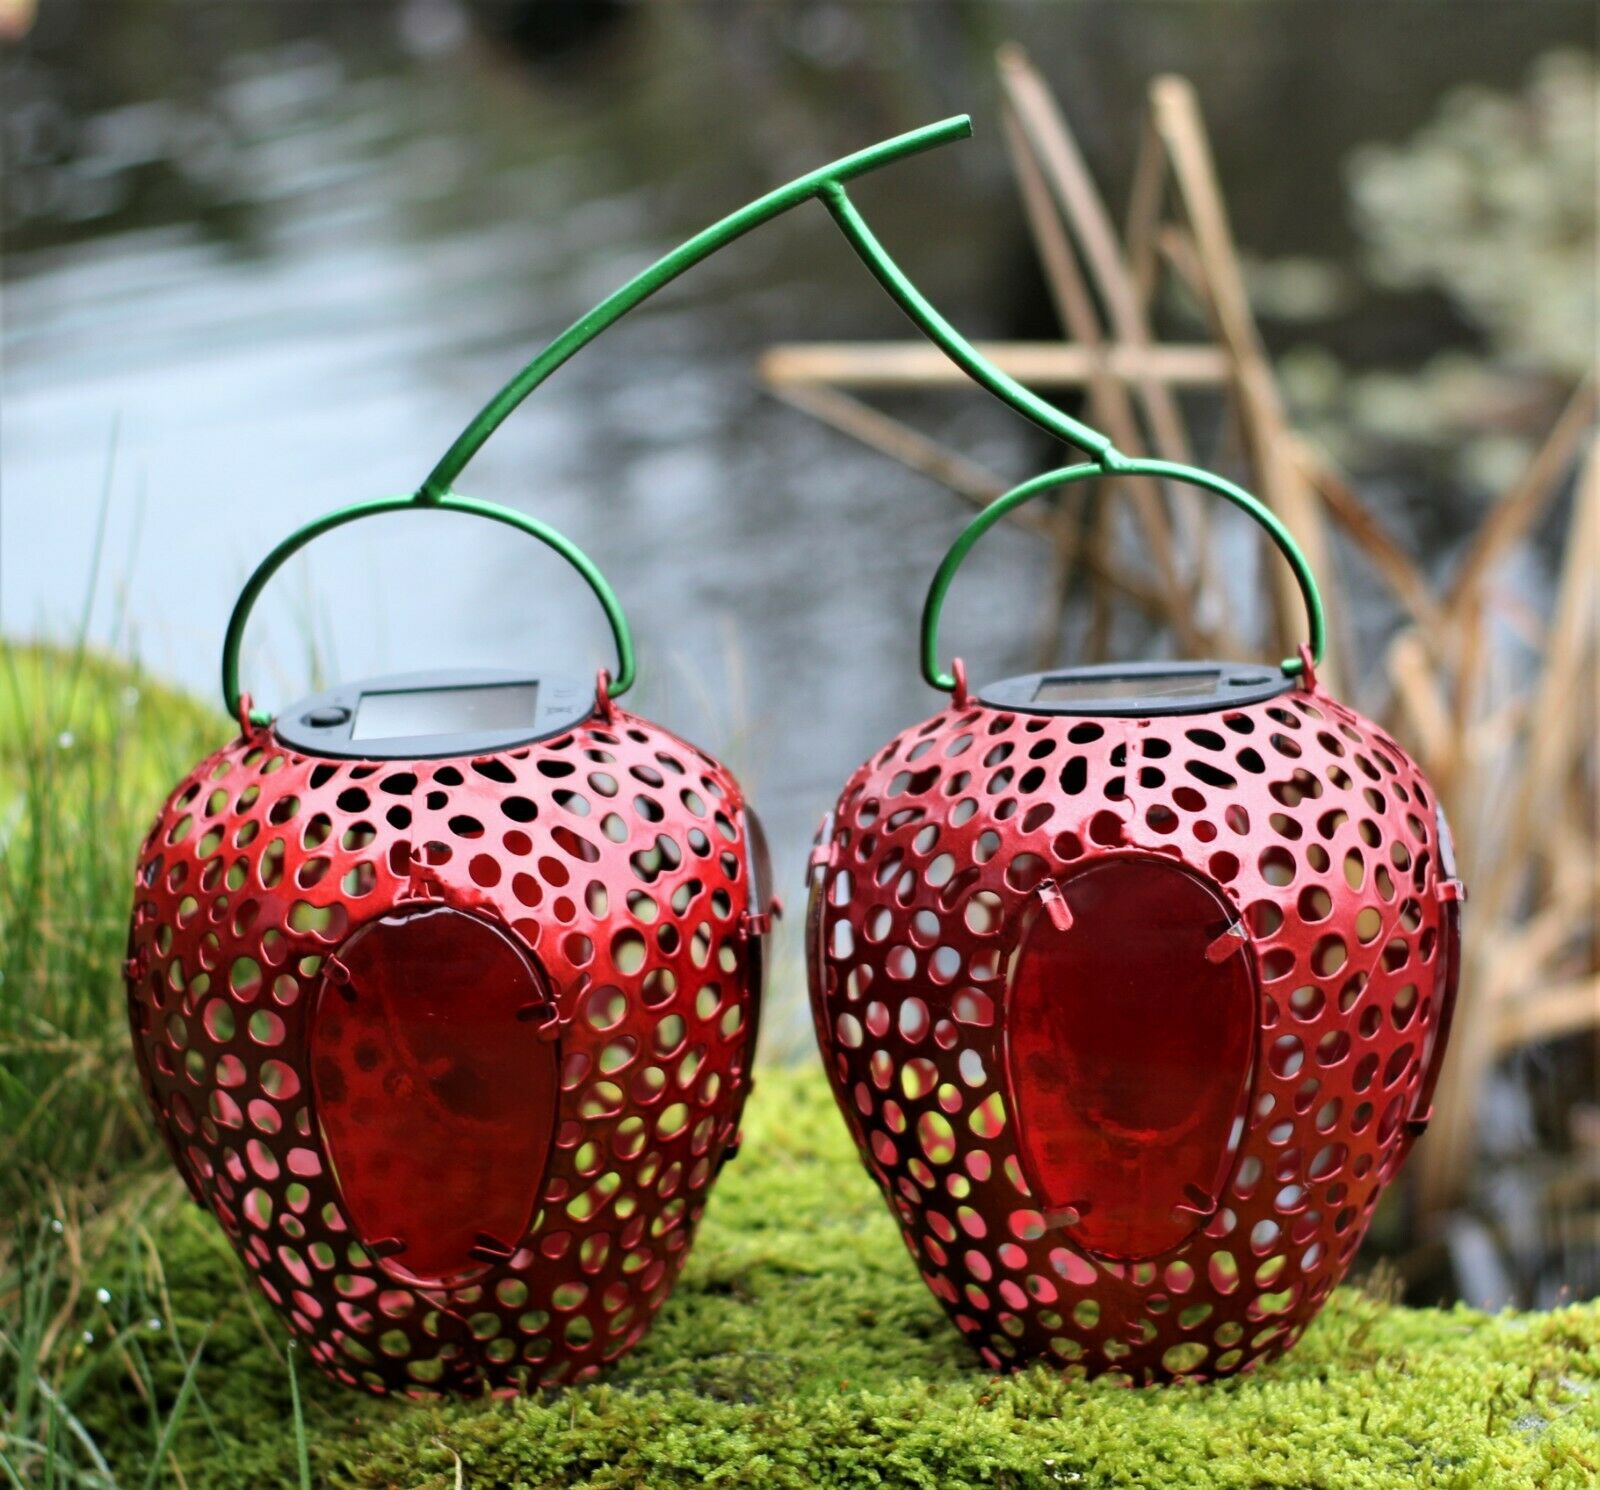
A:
x: 435, y: 1093
x: 1130, y: 1042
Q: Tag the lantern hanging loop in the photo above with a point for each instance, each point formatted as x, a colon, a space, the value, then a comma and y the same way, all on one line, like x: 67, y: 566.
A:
x: 1067, y: 476
x: 521, y: 521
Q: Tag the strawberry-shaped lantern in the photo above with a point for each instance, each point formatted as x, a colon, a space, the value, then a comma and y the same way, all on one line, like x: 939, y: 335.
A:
x: 444, y: 993
x: 1132, y: 981
x: 444, y: 987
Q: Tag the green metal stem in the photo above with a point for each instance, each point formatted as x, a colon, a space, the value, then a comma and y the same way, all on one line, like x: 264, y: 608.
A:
x: 668, y: 268
x: 449, y: 502
x: 1066, y: 476
x: 951, y: 342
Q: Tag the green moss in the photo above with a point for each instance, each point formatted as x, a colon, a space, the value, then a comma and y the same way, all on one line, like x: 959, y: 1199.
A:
x: 801, y: 1349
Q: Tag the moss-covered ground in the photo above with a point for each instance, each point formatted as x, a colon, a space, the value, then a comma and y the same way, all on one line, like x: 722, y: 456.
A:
x: 800, y: 1348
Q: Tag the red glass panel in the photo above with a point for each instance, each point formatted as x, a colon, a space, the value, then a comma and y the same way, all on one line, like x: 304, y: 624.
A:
x: 1130, y: 1053
x: 435, y: 1093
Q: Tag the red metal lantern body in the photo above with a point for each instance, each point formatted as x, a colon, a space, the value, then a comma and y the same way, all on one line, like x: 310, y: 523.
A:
x: 1133, y: 1018
x: 452, y: 1048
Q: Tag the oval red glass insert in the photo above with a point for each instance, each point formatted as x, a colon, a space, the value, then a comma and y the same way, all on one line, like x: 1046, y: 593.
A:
x: 435, y: 1094
x: 1129, y: 1052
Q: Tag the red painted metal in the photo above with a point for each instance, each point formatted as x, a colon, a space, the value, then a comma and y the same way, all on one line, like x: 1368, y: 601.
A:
x: 1133, y: 1019
x: 453, y: 1049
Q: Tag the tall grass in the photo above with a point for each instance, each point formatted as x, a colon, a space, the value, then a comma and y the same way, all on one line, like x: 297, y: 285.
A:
x: 88, y: 749
x: 86, y: 1315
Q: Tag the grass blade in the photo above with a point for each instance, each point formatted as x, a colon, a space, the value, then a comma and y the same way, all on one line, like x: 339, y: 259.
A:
x: 301, y: 1453
x: 169, y: 1430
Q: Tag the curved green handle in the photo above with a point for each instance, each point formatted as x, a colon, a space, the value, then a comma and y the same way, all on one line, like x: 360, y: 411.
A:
x: 1123, y: 466
x: 450, y: 502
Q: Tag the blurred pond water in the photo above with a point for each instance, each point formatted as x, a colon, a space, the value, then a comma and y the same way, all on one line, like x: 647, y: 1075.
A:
x: 279, y: 255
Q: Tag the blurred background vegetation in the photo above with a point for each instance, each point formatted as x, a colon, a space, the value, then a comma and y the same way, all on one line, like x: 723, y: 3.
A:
x: 262, y: 260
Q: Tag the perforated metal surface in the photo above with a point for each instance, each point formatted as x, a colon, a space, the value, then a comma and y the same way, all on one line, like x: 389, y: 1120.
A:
x: 1320, y: 835
x: 618, y: 857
